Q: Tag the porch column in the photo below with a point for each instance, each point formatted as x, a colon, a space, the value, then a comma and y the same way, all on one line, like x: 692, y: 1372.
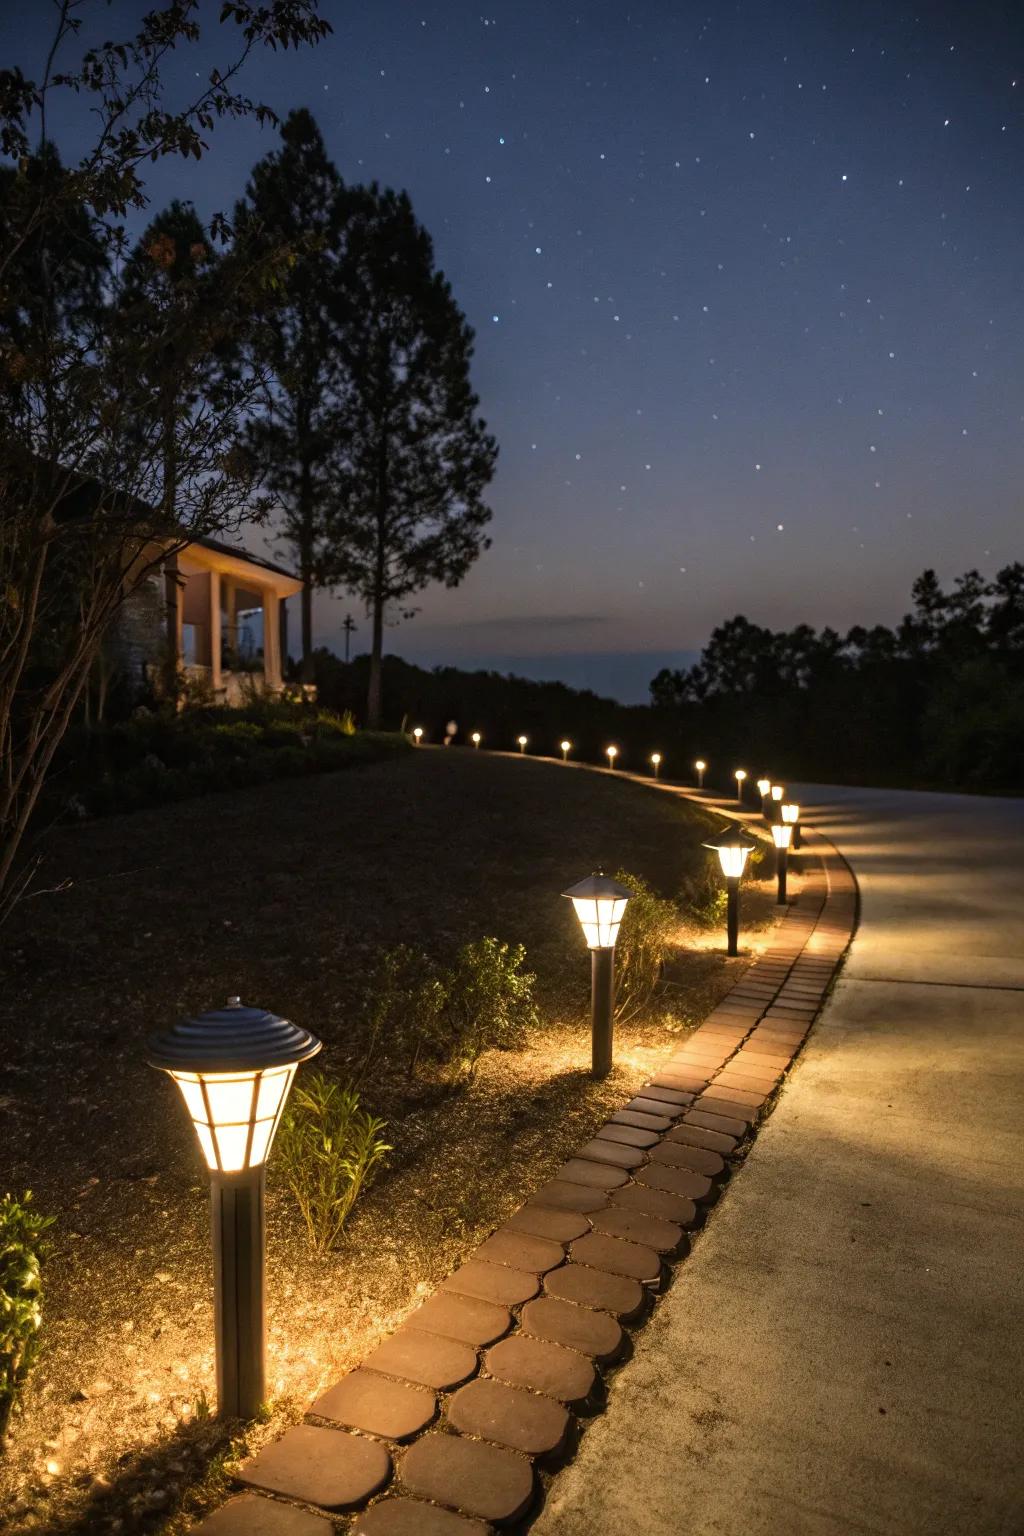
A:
x: 215, y: 628
x: 271, y: 639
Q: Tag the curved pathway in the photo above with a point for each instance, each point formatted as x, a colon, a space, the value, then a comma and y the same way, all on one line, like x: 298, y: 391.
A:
x: 842, y: 1351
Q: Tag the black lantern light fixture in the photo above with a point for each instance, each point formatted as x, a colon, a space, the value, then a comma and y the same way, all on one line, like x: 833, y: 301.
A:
x: 791, y: 814
x: 235, y: 1067
x: 600, y: 903
x: 733, y: 846
x: 782, y: 833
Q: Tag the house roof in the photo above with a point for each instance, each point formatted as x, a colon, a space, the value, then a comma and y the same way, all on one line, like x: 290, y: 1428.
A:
x: 239, y: 553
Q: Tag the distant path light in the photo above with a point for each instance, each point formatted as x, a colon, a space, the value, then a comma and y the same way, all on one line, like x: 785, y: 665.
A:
x: 566, y: 747
x: 733, y: 846
x: 656, y: 763
x: 791, y: 815
x: 776, y: 795
x: 782, y: 835
x: 417, y: 735
x: 600, y: 903
x: 764, y: 789
x: 611, y: 753
x: 522, y: 740
x: 701, y: 767
x: 740, y: 777
x: 476, y: 738
x: 234, y: 1067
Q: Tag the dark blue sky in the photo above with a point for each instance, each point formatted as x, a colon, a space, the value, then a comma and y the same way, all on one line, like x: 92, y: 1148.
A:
x: 746, y: 281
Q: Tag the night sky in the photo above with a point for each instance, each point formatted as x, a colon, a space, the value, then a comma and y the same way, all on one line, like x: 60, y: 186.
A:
x: 747, y: 287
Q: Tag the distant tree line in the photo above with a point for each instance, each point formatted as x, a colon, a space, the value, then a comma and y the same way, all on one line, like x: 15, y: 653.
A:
x: 936, y: 701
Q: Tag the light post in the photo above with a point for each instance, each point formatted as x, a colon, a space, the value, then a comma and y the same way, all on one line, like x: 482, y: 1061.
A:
x: 782, y: 832
x: 475, y: 739
x: 611, y: 753
x: 234, y: 1067
x: 764, y: 789
x: 791, y: 815
x: 700, y: 765
x: 417, y: 735
x: 740, y: 777
x: 566, y: 747
x: 600, y: 902
x: 656, y: 763
x: 733, y: 847
x: 522, y: 740
x: 777, y: 795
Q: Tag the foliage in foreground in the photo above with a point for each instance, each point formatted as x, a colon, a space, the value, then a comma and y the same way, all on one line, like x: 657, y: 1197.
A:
x: 21, y: 1295
x: 645, y: 938
x: 447, y: 1016
x: 328, y: 1148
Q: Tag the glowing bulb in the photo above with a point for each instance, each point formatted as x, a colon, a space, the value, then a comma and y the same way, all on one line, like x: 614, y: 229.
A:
x: 611, y: 753
x: 475, y: 738
x: 418, y: 734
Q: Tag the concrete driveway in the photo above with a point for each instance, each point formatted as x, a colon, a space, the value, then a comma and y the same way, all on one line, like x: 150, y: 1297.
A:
x: 842, y: 1351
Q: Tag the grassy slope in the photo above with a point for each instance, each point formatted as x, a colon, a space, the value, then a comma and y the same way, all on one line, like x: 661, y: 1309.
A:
x: 282, y: 893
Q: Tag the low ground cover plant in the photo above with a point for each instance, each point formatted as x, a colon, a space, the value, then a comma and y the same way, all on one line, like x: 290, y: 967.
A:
x: 161, y: 755
x: 328, y: 1149
x: 22, y: 1249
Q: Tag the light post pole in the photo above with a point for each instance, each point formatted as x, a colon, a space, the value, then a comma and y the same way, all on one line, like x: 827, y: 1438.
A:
x: 656, y: 764
x: 611, y: 753
x: 701, y: 766
x: 522, y: 740
x: 778, y: 794
x: 600, y: 902
x: 791, y: 814
x: 733, y: 847
x: 740, y: 777
x: 782, y: 832
x: 764, y: 789
x: 235, y: 1066
x: 566, y: 747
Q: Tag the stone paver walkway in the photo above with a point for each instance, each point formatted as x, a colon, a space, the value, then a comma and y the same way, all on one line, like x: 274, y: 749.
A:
x: 456, y: 1422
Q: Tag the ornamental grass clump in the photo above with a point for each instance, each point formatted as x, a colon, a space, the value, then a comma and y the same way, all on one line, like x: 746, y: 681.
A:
x: 21, y: 1296
x: 649, y: 928
x: 328, y: 1149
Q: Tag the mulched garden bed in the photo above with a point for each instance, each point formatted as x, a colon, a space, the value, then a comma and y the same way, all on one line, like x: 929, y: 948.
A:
x: 285, y: 893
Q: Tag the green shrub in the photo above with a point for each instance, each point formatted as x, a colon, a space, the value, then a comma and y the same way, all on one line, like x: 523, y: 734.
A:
x: 448, y: 1016
x: 21, y: 1297
x: 648, y: 929
x: 328, y: 1148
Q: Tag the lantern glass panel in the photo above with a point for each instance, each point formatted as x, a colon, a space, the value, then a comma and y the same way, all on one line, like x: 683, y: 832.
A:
x: 733, y: 860
x: 790, y: 813
x: 778, y: 790
x: 235, y: 1113
x: 763, y: 786
x: 782, y: 833
x: 600, y: 918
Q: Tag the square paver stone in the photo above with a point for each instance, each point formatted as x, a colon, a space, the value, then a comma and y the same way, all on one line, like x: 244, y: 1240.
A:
x: 247, y: 1514
x: 320, y: 1466
x: 469, y: 1475
x: 625, y: 1299
x: 394, y: 1410
x: 574, y: 1327
x: 541, y: 1367
x: 465, y: 1318
x: 492, y: 1282
x: 424, y: 1358
x: 522, y: 1421
x: 411, y: 1517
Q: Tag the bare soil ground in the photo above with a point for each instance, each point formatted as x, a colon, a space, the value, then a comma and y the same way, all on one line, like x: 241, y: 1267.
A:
x: 284, y: 893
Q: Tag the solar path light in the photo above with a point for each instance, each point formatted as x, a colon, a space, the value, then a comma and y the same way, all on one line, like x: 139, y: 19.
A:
x: 417, y: 735
x: 600, y: 903
x: 611, y: 753
x: 733, y: 846
x: 782, y: 832
x: 522, y: 740
x: 776, y: 795
x: 700, y: 765
x: 235, y: 1066
x: 656, y: 763
x: 764, y: 789
x: 740, y: 776
x: 791, y: 814
x: 566, y: 747
x: 475, y: 738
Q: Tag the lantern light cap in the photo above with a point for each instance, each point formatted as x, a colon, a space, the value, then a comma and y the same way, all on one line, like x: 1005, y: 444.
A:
x: 231, y: 1039
x: 597, y: 886
x: 732, y: 836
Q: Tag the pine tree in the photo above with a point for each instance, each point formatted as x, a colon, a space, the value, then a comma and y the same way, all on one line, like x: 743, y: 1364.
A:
x: 418, y: 457
x: 296, y: 196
